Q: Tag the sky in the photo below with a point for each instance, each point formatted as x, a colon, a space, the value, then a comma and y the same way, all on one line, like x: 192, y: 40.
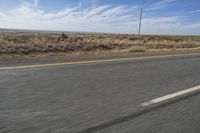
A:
x: 166, y: 17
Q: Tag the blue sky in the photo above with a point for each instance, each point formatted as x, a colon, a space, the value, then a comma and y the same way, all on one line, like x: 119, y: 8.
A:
x: 112, y: 16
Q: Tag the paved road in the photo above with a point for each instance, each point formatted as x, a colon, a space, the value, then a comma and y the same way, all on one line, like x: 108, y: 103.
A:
x: 101, y: 97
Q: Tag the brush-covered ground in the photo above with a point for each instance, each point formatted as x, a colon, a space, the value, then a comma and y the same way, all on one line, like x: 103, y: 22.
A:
x: 22, y: 44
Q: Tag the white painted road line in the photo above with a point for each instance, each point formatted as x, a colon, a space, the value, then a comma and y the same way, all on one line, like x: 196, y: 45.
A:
x: 170, y: 96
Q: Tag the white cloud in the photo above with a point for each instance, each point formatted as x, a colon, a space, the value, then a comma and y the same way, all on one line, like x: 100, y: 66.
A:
x: 2, y: 15
x: 106, y: 18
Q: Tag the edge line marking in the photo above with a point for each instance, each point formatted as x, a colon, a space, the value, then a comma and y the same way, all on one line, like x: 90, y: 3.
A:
x: 170, y: 96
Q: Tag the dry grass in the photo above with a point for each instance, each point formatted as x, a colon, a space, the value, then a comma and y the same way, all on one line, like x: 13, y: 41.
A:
x: 137, y: 49
x: 28, y: 43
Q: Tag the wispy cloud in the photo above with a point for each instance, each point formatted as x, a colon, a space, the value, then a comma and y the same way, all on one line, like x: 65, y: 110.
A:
x: 99, y: 19
x: 96, y: 11
x: 195, y: 11
x: 160, y: 5
x: 104, y: 18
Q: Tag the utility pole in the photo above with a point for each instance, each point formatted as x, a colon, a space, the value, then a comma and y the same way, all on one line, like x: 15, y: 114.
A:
x: 140, y: 21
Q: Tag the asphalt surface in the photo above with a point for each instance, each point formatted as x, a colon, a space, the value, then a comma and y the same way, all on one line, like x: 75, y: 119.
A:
x: 101, y: 97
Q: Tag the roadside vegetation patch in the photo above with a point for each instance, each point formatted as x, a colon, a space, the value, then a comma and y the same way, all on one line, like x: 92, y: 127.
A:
x: 136, y: 49
x: 25, y: 43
